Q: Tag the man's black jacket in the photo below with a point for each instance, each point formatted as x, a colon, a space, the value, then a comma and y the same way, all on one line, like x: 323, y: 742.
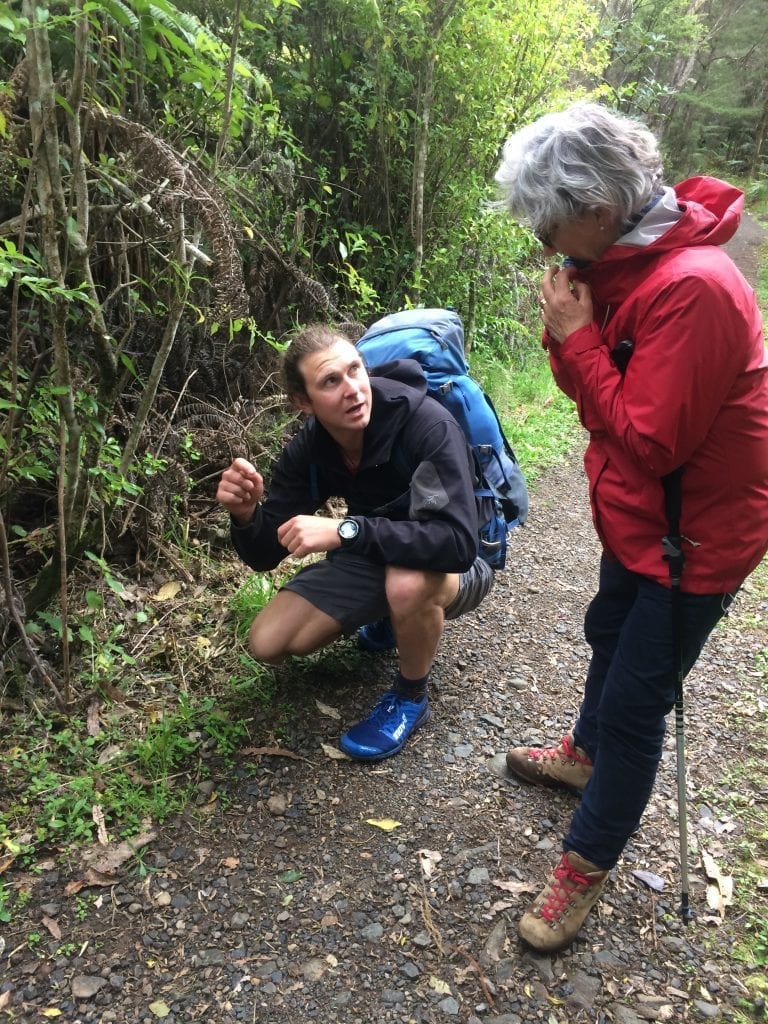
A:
x: 412, y: 446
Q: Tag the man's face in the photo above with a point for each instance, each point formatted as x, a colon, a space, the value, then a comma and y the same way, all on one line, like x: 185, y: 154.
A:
x: 338, y: 389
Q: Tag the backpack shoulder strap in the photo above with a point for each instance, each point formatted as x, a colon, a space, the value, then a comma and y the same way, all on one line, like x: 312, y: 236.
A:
x: 507, y: 446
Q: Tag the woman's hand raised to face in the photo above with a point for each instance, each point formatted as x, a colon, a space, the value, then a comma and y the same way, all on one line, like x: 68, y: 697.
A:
x: 566, y: 305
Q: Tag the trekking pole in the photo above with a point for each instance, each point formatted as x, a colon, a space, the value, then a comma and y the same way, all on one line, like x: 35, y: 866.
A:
x: 673, y: 554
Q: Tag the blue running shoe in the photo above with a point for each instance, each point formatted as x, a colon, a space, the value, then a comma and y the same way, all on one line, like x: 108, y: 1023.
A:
x: 385, y: 731
x: 376, y: 637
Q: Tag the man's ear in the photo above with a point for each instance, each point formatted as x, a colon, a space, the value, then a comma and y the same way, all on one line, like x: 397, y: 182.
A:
x: 302, y: 403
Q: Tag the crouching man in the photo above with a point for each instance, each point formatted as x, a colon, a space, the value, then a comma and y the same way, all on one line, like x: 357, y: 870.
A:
x: 407, y: 549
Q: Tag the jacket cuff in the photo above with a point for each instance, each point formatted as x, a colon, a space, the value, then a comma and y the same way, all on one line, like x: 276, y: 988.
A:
x: 253, y: 523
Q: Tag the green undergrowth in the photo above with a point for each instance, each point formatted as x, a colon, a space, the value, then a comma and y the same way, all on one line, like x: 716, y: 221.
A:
x: 156, y: 704
x: 539, y: 420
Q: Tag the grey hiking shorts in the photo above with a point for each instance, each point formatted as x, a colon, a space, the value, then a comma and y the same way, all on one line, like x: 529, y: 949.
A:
x: 351, y: 589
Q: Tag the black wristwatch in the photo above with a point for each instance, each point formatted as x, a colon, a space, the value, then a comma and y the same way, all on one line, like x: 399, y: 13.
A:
x: 348, y: 529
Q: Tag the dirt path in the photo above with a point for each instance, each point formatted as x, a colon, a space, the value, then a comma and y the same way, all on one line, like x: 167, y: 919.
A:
x: 280, y: 898
x: 281, y: 901
x: 744, y: 247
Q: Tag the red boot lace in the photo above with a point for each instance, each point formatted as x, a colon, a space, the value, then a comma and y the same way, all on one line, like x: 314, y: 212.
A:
x: 552, y: 752
x: 565, y: 882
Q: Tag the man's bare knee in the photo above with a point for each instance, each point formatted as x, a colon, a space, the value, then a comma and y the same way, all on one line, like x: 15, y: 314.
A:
x: 262, y: 646
x: 412, y: 589
x: 290, y: 626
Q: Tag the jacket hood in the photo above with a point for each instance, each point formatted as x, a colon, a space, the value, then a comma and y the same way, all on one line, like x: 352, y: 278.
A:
x: 403, y: 371
x: 697, y: 212
x: 712, y: 211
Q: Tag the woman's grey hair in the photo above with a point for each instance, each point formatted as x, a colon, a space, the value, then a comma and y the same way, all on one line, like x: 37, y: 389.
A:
x: 580, y: 158
x: 314, y: 338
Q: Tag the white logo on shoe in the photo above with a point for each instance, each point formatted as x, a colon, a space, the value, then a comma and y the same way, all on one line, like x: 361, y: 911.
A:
x: 400, y: 729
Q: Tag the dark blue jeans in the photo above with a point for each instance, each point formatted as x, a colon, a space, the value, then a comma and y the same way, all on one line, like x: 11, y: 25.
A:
x: 630, y: 688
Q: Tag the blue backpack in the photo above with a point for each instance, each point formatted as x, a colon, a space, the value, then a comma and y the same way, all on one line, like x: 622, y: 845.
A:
x: 435, y: 339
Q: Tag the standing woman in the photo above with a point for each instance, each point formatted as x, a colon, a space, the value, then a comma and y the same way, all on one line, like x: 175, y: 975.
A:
x: 654, y: 333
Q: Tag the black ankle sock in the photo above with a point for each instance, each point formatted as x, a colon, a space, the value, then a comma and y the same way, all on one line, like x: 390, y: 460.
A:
x: 412, y: 689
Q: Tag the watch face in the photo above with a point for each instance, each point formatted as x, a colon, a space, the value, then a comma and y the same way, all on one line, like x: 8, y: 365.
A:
x: 348, y: 529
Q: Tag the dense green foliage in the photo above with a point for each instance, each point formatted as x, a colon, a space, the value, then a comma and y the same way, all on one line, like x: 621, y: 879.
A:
x: 180, y: 190
x: 182, y: 184
x: 696, y: 72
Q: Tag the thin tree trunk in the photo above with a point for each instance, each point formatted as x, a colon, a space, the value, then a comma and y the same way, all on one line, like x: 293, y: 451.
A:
x: 224, y: 133
x: 760, y: 132
x: 173, y: 318
x: 441, y: 17
x: 421, y: 150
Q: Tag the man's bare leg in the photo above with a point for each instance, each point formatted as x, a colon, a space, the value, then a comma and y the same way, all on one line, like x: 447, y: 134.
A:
x: 417, y: 602
x: 290, y: 625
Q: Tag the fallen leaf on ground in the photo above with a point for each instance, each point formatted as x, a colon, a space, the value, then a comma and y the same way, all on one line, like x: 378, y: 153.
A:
x: 428, y: 859
x: 653, y: 881
x: 720, y: 887
x: 109, y: 753
x: 52, y: 927
x: 93, y: 723
x: 167, y: 592
x: 159, y: 1008
x: 272, y: 752
x: 385, y: 824
x: 93, y: 877
x: 107, y: 859
x: 499, y: 906
x: 116, y: 695
x: 327, y: 710
x: 516, y: 887
x: 97, y: 813
x: 334, y: 753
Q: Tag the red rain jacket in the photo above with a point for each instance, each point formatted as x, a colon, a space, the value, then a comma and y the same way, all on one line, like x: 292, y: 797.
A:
x: 695, y: 393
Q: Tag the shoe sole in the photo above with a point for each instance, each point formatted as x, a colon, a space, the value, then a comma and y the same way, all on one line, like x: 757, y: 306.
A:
x: 390, y: 753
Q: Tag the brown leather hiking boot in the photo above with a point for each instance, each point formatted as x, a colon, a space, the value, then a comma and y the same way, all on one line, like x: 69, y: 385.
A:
x: 564, y: 765
x: 557, y: 913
